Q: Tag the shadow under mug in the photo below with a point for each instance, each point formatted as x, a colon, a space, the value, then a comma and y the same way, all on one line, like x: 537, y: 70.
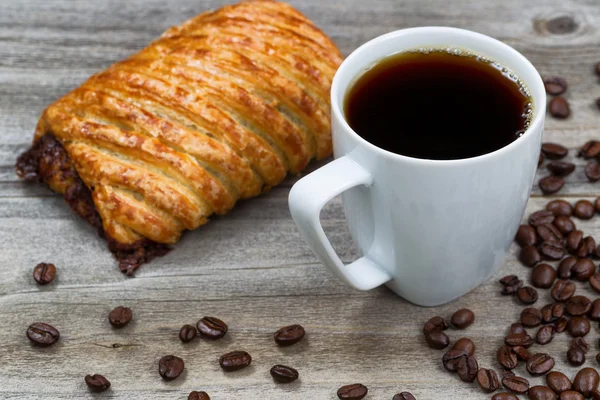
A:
x: 431, y: 230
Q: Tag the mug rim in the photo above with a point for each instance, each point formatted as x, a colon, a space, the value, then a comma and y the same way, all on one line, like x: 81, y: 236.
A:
x: 536, y: 123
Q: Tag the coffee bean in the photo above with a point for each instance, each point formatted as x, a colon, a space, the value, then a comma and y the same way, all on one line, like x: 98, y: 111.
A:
x: 598, y: 358
x: 549, y: 232
x: 526, y: 236
x: 571, y: 395
x: 560, y: 168
x: 289, y: 335
x: 509, y: 280
x: 283, y: 374
x: 541, y: 393
x: 530, y: 256
x: 565, y: 267
x: 404, y: 396
x: 579, y: 305
x: 211, y: 328
x: 559, y: 108
x: 592, y: 171
x: 595, y: 310
x: 452, y: 357
x: 527, y: 295
x: 516, y: 384
x: 552, y: 250
x: 543, y: 276
x: 187, y: 333
x: 198, y: 396
x: 578, y: 326
x: 586, y: 381
x: 575, y: 356
x: 564, y: 224
x: 510, y: 290
x: 488, y: 380
x: 235, y: 360
x: 590, y: 149
x: 584, y: 209
x: 522, y: 339
x: 587, y: 247
x: 595, y: 282
x: 44, y: 273
x: 552, y: 312
x: 467, y: 368
x: 97, y: 383
x: 555, y: 85
x: 540, y: 364
x: 545, y: 335
x: 554, y: 151
x: 563, y: 290
x: 466, y: 345
x: 560, y: 208
x: 551, y: 184
x: 522, y: 353
x: 507, y: 357
x: 531, y: 317
x: 558, y: 382
x: 462, y: 318
x: 597, y: 201
x: 504, y: 396
x: 42, y: 334
x: 560, y: 325
x: 170, y: 367
x: 583, y: 270
x: 541, y: 217
x: 574, y: 239
x: 580, y: 343
x: 120, y: 316
x: 437, y: 340
x: 434, y: 324
x: 355, y: 391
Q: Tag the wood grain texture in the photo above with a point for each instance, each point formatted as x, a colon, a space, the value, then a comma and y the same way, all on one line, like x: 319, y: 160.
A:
x: 250, y: 268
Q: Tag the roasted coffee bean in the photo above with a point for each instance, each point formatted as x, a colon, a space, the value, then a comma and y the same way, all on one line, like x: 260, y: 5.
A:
x: 545, y: 335
x: 576, y: 356
x: 120, y: 316
x: 595, y: 310
x: 526, y: 236
x: 541, y: 217
x: 404, y: 396
x: 592, y: 171
x: 44, y: 273
x: 170, y: 367
x: 564, y: 224
x: 187, y: 333
x: 355, y: 391
x: 97, y: 383
x: 578, y: 326
x: 509, y: 280
x: 586, y: 381
x: 587, y: 247
x: 527, y: 295
x: 504, y: 396
x: 552, y: 312
x: 598, y: 358
x: 466, y: 345
x: 522, y: 353
x: 551, y: 184
x: 565, y: 267
x: 284, y: 374
x: 563, y: 290
x: 522, y: 339
x: 198, y: 396
x: 510, y: 290
x: 583, y: 270
x: 42, y: 334
x: 574, y: 239
x: 517, y: 329
x: 452, y: 357
x: 560, y: 168
x: 488, y: 380
x: 571, y: 395
x: 434, y: 324
x: 516, y: 384
x: 211, y: 328
x: 540, y: 364
x: 235, y: 360
x: 560, y: 325
x: 578, y: 305
x: 595, y: 393
x: 558, y: 382
x: 549, y: 233
x: 597, y: 252
x: 597, y: 201
x: 467, y: 368
x: 531, y: 317
x: 595, y: 283
x: 590, y: 149
x: 560, y: 208
x: 584, y: 209
x: 507, y: 357
x: 554, y: 151
x: 292, y: 334
x: 543, y: 276
x: 559, y: 108
x: 541, y: 393
x: 580, y: 343
x: 555, y: 85
x: 462, y: 318
x: 530, y: 256
x: 437, y: 340
x: 552, y: 250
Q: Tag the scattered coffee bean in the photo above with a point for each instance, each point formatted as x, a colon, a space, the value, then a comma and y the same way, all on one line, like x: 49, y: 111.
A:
x: 565, y: 267
x: 587, y: 247
x: 283, y: 374
x: 578, y: 305
x: 592, y: 171
x: 551, y: 184
x: 510, y: 290
x: 530, y: 256
x: 574, y: 239
x: 563, y: 290
x: 488, y: 380
x: 560, y: 168
x: 595, y: 282
x: 467, y: 368
x: 590, y: 149
x: 509, y: 280
x: 522, y: 339
x: 504, y: 396
x: 578, y: 326
x: 527, y: 295
x: 549, y: 232
x: 42, y: 334
x: 211, y: 328
x: 554, y: 151
x: 517, y: 329
x: 507, y: 357
x: 541, y: 393
x: 586, y: 381
x: 543, y: 276
x: 595, y: 310
x: 564, y: 224
x: 170, y: 367
x: 466, y: 345
x: 571, y: 395
x: 522, y: 353
x: 540, y: 364
x: 559, y: 108
x: 44, y: 273
x: 558, y: 382
x: 531, y: 317
x: 437, y: 340
x: 198, y: 396
x: 97, y: 383
x: 452, y: 357
x: 434, y: 324
x: 404, y: 396
x: 355, y: 391
x: 583, y: 270
x: 187, y: 333
x: 516, y: 384
x: 541, y: 217
x: 584, y: 209
x: 462, y: 318
x: 235, y: 360
x: 560, y: 325
x: 120, y: 316
x: 545, y: 335
x: 552, y: 250
x: 526, y: 236
x: 580, y: 343
x: 560, y: 208
x: 552, y: 312
x: 555, y: 85
x: 292, y: 334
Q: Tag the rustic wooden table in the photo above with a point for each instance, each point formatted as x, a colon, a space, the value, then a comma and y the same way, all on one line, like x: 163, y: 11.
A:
x: 250, y: 268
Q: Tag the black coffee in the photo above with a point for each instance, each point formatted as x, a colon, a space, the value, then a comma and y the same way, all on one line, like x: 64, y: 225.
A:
x: 438, y: 104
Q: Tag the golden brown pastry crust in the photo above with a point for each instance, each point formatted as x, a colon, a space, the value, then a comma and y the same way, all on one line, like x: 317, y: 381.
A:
x: 218, y: 109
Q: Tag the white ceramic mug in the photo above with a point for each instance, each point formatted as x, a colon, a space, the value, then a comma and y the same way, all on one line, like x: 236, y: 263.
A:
x: 431, y: 230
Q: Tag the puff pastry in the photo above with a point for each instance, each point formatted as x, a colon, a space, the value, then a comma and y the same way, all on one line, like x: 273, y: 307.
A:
x: 216, y: 110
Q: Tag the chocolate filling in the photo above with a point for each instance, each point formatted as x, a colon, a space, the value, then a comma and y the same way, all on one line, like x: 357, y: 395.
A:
x: 47, y: 161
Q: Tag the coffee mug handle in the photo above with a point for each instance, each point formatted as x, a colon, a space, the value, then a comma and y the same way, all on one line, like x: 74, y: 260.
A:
x: 309, y: 195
